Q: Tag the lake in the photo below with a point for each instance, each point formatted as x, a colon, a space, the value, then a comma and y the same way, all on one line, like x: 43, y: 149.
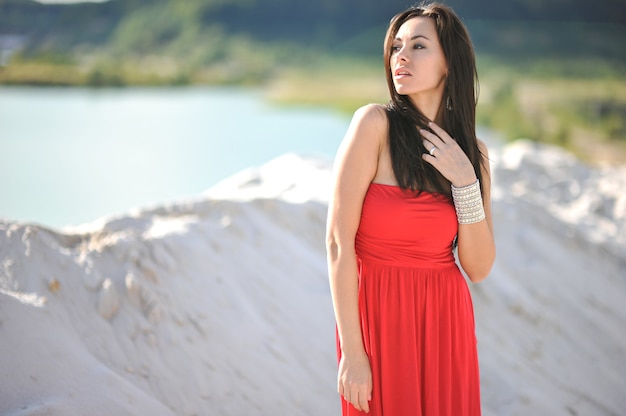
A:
x: 70, y: 156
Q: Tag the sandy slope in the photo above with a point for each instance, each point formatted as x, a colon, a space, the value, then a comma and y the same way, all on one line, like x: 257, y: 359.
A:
x: 220, y: 305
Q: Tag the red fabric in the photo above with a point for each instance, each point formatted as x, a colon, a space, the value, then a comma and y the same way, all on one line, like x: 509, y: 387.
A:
x: 416, y: 311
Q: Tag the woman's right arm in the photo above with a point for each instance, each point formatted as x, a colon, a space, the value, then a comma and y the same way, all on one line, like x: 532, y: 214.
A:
x: 354, y: 169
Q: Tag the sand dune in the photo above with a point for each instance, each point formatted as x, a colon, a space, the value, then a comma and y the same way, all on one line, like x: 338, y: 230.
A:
x: 220, y: 305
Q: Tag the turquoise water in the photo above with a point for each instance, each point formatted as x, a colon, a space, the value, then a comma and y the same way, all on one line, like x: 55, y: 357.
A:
x: 69, y: 156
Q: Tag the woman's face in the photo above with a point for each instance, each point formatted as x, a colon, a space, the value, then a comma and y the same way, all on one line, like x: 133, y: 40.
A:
x: 418, y: 65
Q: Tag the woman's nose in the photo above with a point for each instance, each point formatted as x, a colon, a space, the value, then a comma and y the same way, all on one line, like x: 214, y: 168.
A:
x: 402, y: 55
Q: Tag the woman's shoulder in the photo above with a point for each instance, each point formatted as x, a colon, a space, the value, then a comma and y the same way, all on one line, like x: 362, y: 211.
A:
x: 368, y: 129
x: 372, y: 113
x: 371, y: 120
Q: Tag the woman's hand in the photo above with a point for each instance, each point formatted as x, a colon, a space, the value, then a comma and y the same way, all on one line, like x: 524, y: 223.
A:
x: 354, y: 381
x: 447, y: 156
x: 476, y: 245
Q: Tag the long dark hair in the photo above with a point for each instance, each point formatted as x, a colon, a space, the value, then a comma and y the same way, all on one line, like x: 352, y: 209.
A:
x: 457, y: 113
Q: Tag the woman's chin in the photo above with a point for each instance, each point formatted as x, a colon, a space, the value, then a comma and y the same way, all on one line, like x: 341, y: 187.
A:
x: 405, y: 89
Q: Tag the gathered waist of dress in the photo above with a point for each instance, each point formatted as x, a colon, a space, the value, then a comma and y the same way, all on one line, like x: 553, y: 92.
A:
x: 422, y: 261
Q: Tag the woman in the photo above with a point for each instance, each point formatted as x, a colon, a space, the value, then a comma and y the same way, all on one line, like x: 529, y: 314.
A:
x: 411, y: 183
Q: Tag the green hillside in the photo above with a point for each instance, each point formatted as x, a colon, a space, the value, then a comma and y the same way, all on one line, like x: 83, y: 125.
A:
x: 161, y: 41
x: 568, y: 53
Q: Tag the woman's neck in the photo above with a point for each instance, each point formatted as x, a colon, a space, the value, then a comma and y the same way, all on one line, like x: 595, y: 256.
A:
x: 428, y: 104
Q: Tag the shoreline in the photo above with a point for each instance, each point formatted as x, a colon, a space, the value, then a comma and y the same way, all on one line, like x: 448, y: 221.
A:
x: 555, y: 118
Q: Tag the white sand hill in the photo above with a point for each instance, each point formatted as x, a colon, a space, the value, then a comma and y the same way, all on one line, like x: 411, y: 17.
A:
x: 220, y: 305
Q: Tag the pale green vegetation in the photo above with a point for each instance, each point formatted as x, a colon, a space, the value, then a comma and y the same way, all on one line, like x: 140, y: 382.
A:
x: 582, y: 108
x: 560, y: 81
x: 587, y: 116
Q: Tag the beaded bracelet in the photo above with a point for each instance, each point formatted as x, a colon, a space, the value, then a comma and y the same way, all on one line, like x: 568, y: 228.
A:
x: 468, y: 203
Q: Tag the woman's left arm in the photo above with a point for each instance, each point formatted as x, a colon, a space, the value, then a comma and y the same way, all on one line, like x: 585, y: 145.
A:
x: 476, y: 244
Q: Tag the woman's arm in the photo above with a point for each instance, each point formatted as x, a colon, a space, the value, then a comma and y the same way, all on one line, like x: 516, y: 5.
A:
x: 477, y: 249
x: 355, y: 167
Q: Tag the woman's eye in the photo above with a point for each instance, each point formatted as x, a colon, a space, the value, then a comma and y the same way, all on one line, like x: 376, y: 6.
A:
x: 395, y: 48
x: 418, y: 46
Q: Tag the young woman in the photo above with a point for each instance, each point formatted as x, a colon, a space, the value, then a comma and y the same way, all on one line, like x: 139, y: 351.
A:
x: 411, y: 184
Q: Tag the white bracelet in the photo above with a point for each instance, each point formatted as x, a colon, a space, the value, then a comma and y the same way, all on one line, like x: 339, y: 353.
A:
x: 468, y: 203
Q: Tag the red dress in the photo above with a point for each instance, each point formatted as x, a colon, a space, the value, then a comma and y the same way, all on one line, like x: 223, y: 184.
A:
x: 416, y: 311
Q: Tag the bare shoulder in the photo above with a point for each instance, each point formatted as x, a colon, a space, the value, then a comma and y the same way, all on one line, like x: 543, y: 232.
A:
x: 374, y: 112
x: 369, y: 123
x: 356, y: 162
x: 372, y: 116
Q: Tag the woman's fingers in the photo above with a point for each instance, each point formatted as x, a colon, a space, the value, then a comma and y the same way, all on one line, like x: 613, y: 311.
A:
x: 364, y: 403
x: 358, y: 395
x: 431, y: 137
x: 359, y: 401
x: 433, y: 145
x: 439, y: 139
x: 430, y: 147
x: 355, y: 381
x: 445, y: 155
x: 441, y: 133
